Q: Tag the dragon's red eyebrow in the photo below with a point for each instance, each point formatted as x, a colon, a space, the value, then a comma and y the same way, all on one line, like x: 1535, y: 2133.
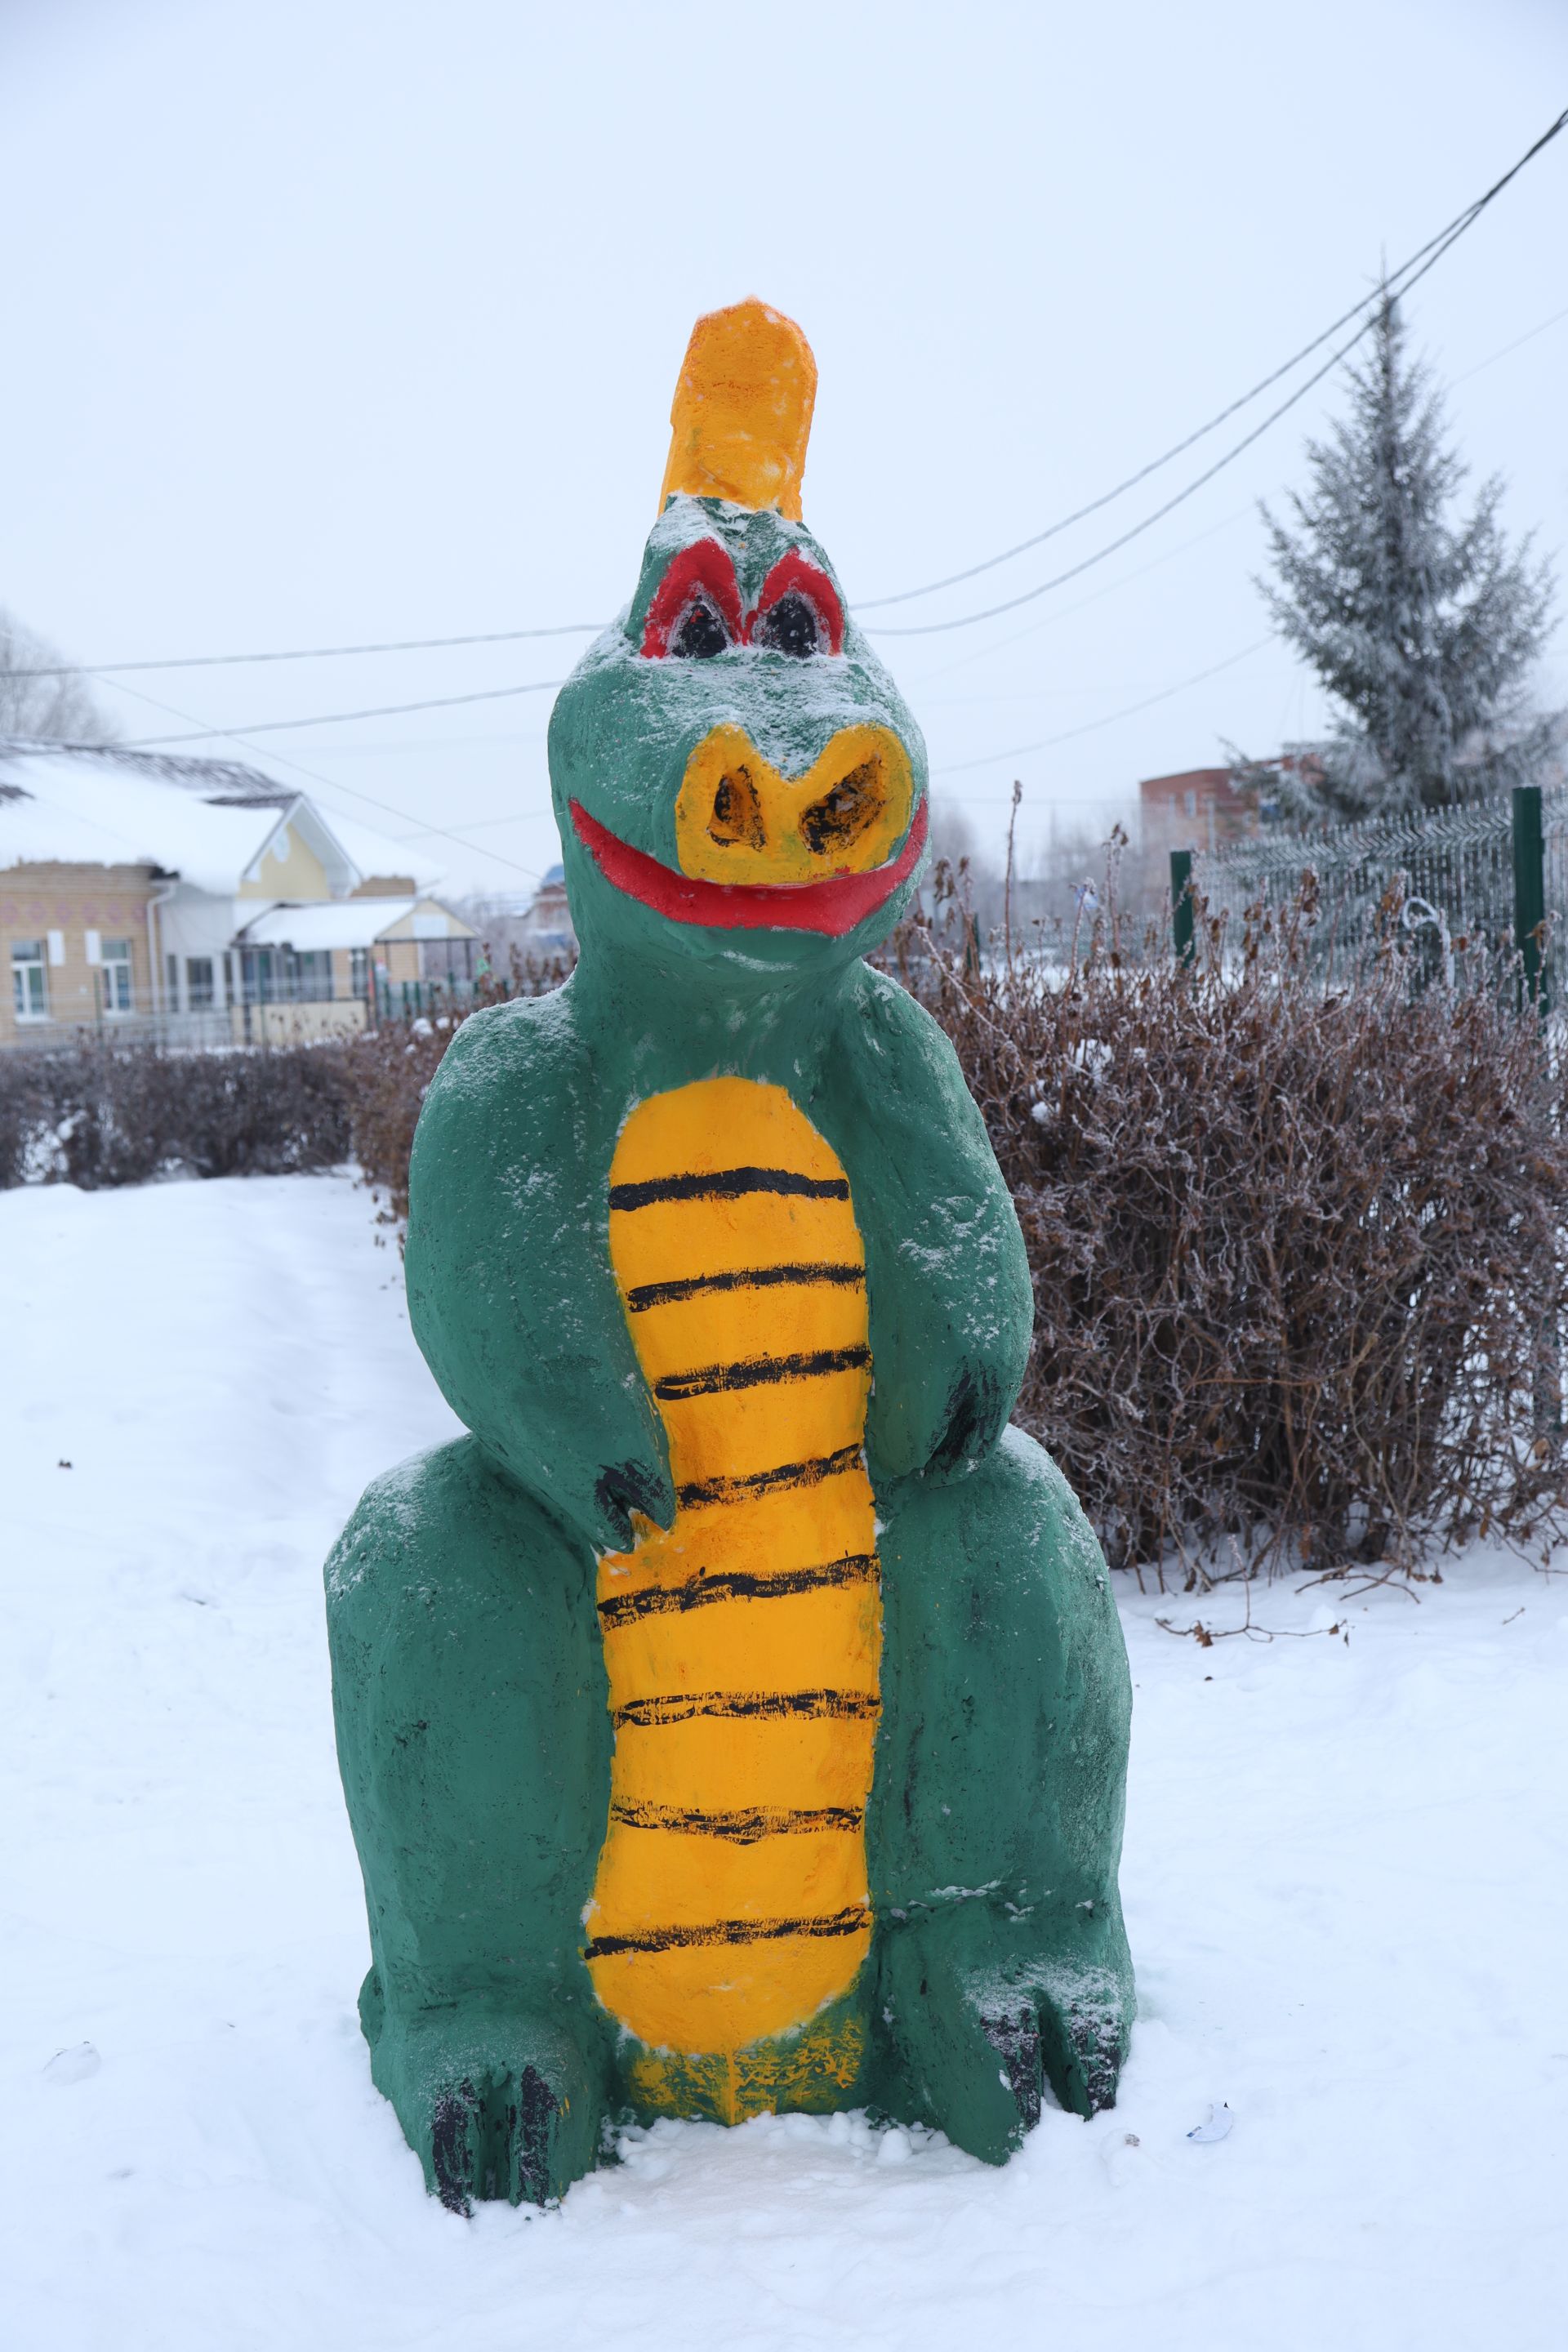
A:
x: 797, y: 572
x: 703, y: 568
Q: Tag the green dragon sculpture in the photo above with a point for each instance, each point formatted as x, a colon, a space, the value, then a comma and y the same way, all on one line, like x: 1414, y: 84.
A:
x: 737, y: 1720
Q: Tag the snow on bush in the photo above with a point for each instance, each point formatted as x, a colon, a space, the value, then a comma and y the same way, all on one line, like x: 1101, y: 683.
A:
x: 97, y: 1114
x: 1299, y: 1255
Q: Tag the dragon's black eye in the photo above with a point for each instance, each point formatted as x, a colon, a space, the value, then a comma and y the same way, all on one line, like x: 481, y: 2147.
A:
x: 700, y: 634
x: 790, y: 627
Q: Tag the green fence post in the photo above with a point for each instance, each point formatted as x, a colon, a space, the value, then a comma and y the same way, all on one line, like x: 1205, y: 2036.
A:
x: 1529, y: 936
x: 1183, y: 929
x: 1530, y: 891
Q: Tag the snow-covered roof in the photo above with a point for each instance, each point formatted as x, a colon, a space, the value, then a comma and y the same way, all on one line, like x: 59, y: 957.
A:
x: 67, y: 810
x: 378, y: 854
x: 229, y: 781
x: 209, y: 823
x: 349, y: 923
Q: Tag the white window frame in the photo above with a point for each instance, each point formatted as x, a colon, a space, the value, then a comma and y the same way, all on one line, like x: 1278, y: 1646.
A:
x: 20, y: 992
x: 111, y: 967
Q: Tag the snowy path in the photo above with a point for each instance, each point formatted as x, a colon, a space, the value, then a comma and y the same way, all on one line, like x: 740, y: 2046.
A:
x: 1346, y: 1882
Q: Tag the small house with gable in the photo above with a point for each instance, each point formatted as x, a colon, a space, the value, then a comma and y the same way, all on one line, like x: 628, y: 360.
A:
x: 201, y: 901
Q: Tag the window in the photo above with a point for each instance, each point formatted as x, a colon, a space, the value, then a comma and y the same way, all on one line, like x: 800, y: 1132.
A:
x: 1190, y: 798
x: 199, y: 983
x: 258, y: 977
x: 172, y: 967
x: 116, y: 969
x: 310, y: 976
x: 445, y: 959
x: 30, y: 997
x: 359, y: 972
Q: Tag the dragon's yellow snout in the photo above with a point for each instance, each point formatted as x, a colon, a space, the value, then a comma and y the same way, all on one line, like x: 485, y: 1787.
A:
x: 737, y: 819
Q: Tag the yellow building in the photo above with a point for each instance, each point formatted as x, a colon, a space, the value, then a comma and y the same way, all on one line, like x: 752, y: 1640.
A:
x: 201, y: 901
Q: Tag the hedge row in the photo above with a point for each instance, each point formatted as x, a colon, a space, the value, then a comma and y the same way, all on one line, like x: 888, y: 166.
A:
x: 97, y: 1114
x: 1299, y: 1258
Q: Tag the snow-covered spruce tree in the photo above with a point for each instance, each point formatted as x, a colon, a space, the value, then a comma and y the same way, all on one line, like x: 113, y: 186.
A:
x: 1421, y: 625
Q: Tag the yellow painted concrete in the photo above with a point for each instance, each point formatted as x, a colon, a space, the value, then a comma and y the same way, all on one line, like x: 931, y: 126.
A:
x: 742, y: 415
x: 725, y: 1687
x: 737, y: 819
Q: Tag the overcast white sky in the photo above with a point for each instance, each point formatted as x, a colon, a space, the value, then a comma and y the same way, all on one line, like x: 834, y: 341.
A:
x: 339, y: 320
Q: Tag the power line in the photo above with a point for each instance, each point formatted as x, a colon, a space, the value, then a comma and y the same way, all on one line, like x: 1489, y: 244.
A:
x: 1518, y: 344
x: 312, y: 653
x: 1398, y: 282
x: 496, y: 694
x: 1029, y: 595
x: 1108, y: 588
x: 961, y: 767
x: 281, y: 759
x: 337, y: 717
x: 1444, y: 238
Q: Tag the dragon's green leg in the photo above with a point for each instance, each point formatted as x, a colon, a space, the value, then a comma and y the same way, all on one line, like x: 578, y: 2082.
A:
x: 469, y: 1695
x: 996, y: 1822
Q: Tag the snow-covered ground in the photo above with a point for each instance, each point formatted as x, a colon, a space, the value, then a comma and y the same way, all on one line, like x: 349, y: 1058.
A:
x: 1346, y: 1880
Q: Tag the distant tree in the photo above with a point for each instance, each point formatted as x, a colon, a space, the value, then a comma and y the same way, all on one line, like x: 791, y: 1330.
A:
x: 1420, y: 625
x: 43, y: 709
x: 979, y: 876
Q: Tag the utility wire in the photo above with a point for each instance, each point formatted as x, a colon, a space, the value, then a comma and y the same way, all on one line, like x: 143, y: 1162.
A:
x: 992, y: 759
x: 1518, y: 344
x: 337, y: 717
x: 1029, y: 595
x: 281, y: 759
x: 931, y: 628
x: 311, y: 653
x: 1092, y: 725
x: 1398, y: 283
x: 1443, y: 239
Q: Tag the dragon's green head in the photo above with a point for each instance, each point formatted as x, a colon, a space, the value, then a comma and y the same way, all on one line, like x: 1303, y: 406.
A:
x: 736, y: 776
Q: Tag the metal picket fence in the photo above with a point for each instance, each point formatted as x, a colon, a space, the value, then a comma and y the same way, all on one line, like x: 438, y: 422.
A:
x: 1453, y: 888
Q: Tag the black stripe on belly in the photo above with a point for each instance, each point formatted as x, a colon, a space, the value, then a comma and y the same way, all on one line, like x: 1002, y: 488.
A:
x: 846, y: 1707
x: 759, y: 1371
x: 768, y: 1481
x: 745, y: 1826
x: 727, y: 1184
x: 735, y: 1584
x: 848, y: 1922
x: 750, y: 1277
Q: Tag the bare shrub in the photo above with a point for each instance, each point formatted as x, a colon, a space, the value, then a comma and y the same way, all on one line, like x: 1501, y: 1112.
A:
x: 97, y: 1114
x: 389, y: 1069
x: 1298, y: 1256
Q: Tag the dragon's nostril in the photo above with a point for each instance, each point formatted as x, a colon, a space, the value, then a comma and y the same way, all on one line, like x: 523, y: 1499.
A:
x: 737, y: 816
x: 835, y: 822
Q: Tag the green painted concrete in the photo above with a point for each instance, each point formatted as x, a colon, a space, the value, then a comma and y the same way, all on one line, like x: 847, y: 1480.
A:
x: 469, y: 1683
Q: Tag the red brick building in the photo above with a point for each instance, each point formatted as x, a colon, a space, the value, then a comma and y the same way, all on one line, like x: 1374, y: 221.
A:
x: 1201, y: 808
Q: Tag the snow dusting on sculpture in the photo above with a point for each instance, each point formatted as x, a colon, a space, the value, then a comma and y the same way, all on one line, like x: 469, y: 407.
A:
x: 737, y: 1719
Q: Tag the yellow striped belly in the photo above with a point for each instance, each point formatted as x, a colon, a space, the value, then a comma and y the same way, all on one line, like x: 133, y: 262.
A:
x: 730, y: 1902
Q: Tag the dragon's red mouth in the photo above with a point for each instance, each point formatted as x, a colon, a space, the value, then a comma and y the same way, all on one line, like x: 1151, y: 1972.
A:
x: 831, y: 907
